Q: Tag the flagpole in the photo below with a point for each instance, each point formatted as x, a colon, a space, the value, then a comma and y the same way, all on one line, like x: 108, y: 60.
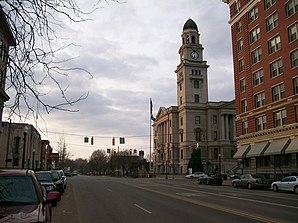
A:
x: 150, y: 135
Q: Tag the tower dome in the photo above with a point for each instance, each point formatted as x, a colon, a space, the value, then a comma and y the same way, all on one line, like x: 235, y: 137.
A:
x: 190, y: 24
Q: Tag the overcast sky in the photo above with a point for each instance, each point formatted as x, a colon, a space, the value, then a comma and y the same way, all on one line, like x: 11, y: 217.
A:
x: 131, y: 49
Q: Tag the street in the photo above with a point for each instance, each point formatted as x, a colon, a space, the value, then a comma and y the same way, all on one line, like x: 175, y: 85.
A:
x: 91, y: 199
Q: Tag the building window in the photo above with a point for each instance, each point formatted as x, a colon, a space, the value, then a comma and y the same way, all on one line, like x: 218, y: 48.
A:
x: 294, y: 58
x: 278, y: 92
x: 244, y: 106
x: 180, y: 100
x: 240, y: 45
x: 198, y: 135
x: 241, y: 65
x: 244, y: 127
x: 292, y: 32
x: 215, y: 135
x: 276, y: 68
x: 196, y: 84
x: 239, y: 26
x: 215, y: 153
x: 193, y: 39
x: 259, y: 100
x: 255, y: 35
x: 181, y: 121
x: 291, y: 7
x: 269, y: 3
x: 261, y: 123
x: 258, y: 77
x: 242, y: 85
x: 197, y: 120
x: 237, y: 7
x: 181, y: 136
x: 272, y: 22
x: 3, y: 51
x: 197, y: 98
x: 180, y: 86
x: 256, y: 55
x: 195, y: 72
x: 296, y: 109
x: 214, y: 119
x: 280, y: 118
x: 181, y: 154
x: 263, y: 161
x: 253, y: 14
x: 295, y: 81
x: 274, y: 44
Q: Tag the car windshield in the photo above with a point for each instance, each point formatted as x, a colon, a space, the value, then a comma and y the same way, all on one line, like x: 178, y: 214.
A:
x: 17, y: 190
x: 47, y: 177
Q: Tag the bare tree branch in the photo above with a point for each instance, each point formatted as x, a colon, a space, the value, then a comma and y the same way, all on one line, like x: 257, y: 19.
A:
x: 32, y: 65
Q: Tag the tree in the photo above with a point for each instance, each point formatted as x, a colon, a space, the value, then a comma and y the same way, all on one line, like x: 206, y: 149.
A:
x: 195, y: 161
x: 98, y: 161
x: 33, y: 71
x: 64, y: 155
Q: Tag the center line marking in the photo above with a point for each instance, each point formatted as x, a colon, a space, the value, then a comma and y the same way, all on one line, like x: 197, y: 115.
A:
x: 149, y: 212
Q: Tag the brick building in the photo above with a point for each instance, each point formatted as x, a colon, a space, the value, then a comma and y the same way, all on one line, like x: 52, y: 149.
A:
x: 265, y: 56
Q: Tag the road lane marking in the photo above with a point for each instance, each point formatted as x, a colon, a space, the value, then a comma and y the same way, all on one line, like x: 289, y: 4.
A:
x: 213, y: 206
x: 109, y: 190
x: 149, y: 212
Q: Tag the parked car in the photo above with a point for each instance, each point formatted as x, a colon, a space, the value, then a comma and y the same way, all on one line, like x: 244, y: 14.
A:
x: 196, y: 175
x: 58, y: 181
x: 289, y: 183
x: 251, y: 181
x: 213, y: 179
x: 47, y: 180
x: 23, y: 199
x: 74, y: 173
x: 63, y: 177
x: 67, y: 173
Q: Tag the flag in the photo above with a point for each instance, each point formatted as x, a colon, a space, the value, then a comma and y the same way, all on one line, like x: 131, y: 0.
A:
x: 151, y: 110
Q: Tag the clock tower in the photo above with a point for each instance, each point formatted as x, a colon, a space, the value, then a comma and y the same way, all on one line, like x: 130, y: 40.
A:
x: 192, y: 86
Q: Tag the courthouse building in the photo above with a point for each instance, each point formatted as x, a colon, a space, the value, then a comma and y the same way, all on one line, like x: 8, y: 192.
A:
x: 195, y: 123
x: 265, y: 54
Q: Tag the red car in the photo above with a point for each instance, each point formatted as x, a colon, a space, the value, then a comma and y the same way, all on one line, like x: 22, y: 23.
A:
x: 23, y: 199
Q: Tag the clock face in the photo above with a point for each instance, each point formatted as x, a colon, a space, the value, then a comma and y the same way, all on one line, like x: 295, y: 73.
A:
x: 194, y: 55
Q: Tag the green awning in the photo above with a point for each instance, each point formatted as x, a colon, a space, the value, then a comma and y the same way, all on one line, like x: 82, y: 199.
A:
x: 293, y: 147
x: 277, y: 147
x: 257, y: 149
x: 241, y: 152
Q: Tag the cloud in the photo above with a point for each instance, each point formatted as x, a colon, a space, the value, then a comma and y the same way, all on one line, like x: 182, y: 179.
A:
x: 131, y: 51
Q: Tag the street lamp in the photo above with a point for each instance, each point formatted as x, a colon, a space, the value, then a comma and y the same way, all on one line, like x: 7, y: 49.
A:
x: 24, y: 146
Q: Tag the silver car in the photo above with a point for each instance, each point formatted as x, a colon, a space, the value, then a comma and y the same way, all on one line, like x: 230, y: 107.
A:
x: 289, y: 183
x: 251, y: 181
x: 196, y: 175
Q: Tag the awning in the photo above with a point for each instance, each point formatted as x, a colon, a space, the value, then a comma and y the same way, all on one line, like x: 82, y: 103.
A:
x: 277, y: 147
x: 257, y: 149
x: 293, y: 147
x: 241, y: 152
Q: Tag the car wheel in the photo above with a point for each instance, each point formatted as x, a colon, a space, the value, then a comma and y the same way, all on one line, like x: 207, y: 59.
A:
x: 249, y: 186
x: 296, y: 190
x: 208, y: 182
x: 199, y: 181
x: 275, y: 188
x: 234, y: 184
x: 54, y: 204
x: 190, y: 177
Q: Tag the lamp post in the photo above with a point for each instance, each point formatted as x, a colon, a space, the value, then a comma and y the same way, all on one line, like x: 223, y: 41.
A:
x: 24, y: 146
x: 7, y: 146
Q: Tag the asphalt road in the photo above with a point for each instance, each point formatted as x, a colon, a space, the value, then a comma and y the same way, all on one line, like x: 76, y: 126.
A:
x: 91, y: 199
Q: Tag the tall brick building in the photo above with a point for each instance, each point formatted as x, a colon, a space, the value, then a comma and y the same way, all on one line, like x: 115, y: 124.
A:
x: 265, y: 56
